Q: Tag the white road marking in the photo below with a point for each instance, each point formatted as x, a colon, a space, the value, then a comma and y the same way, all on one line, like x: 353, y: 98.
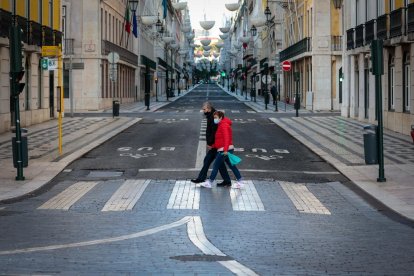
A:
x: 251, y: 111
x: 126, y: 196
x: 303, y: 199
x: 198, y: 238
x: 201, y: 153
x: 185, y: 195
x: 68, y: 197
x: 242, y: 170
x: 144, y: 233
x: 246, y: 199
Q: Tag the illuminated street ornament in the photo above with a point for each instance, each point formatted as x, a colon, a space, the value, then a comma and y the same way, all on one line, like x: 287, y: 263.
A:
x: 179, y: 6
x: 232, y: 6
x: 205, y: 42
x: 216, y: 55
x: 257, y: 17
x: 224, y: 29
x: 245, y: 39
x: 219, y: 45
x: 149, y: 19
x: 168, y: 39
x: 186, y: 29
x: 224, y: 36
x: 207, y: 24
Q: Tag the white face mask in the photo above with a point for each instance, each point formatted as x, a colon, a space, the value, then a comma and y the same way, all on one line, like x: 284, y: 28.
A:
x: 216, y: 121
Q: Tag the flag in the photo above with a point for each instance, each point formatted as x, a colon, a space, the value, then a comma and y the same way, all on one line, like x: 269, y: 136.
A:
x: 164, y: 4
x: 134, y: 25
x: 127, y: 21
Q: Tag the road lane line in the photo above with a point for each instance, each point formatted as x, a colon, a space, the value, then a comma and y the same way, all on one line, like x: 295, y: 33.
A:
x: 198, y: 238
x: 303, y: 199
x: 126, y: 196
x: 242, y: 170
x: 69, y: 196
x: 201, y: 153
x: 144, y: 233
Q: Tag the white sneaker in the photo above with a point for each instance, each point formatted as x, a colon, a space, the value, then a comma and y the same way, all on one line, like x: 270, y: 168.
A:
x: 239, y: 184
x: 206, y: 184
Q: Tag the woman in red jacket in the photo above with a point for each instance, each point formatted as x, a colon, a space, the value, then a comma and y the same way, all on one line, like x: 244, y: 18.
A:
x: 224, y: 144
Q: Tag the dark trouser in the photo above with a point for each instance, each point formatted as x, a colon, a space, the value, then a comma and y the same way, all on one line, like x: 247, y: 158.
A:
x: 210, y: 157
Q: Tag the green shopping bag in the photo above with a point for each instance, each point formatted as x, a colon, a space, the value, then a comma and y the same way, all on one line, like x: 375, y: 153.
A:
x: 234, y: 159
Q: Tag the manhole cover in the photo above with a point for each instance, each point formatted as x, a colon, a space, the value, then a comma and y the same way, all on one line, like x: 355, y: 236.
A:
x: 104, y: 174
x: 201, y: 258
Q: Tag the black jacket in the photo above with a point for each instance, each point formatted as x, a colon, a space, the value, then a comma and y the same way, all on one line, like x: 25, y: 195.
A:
x: 211, y: 128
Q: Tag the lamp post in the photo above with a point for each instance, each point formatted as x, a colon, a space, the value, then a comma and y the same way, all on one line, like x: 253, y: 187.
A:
x: 337, y: 3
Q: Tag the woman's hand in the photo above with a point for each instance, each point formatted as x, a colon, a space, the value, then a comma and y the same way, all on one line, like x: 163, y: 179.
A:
x: 225, y: 153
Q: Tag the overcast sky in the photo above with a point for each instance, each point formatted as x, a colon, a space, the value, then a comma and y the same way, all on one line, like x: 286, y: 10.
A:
x: 213, y: 9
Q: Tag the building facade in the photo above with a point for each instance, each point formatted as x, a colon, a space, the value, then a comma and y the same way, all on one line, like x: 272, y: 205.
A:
x: 393, y: 22
x: 313, y: 45
x: 41, y: 26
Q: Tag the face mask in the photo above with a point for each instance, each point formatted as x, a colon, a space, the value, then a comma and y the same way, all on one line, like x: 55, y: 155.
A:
x: 216, y: 121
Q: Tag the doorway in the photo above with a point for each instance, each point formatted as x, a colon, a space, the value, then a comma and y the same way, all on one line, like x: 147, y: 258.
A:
x: 51, y: 93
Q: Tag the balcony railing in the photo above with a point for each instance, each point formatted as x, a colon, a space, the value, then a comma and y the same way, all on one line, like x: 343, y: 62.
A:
x: 22, y: 23
x: 350, y: 39
x: 35, y: 33
x: 397, y: 18
x: 369, y: 31
x: 382, y: 26
x: 124, y: 54
x: 57, y: 37
x: 410, y: 18
x: 47, y: 36
x: 300, y: 47
x: 68, y: 46
x: 336, y: 43
x: 5, y: 22
x: 359, y: 36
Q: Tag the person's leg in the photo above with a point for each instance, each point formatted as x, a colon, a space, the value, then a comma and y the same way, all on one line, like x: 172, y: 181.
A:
x: 235, y: 170
x: 217, y: 163
x: 208, y: 159
x: 225, y: 175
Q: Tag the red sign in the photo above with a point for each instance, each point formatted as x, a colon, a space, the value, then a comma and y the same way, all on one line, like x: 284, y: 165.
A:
x: 286, y: 65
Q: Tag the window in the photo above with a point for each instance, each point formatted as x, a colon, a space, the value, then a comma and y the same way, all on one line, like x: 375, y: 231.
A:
x: 27, y: 9
x: 392, y: 5
x: 380, y: 7
x: 407, y: 83
x: 391, y: 85
x: 51, y: 13
x: 40, y: 11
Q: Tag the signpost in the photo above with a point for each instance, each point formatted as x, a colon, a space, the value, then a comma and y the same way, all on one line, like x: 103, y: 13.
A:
x: 278, y: 71
x: 113, y: 58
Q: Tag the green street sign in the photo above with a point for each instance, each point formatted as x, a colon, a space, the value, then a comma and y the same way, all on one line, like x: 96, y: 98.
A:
x: 44, y: 64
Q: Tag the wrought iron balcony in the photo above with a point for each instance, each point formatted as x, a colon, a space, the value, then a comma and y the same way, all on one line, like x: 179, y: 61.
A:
x: 359, y: 36
x: 350, y: 39
x: 300, y: 47
x: 410, y: 18
x: 124, y: 54
x: 68, y: 46
x: 47, y: 36
x: 35, y: 33
x: 382, y: 26
x: 336, y: 43
x: 369, y: 31
x: 5, y: 22
x: 22, y: 23
x: 57, y: 37
x: 397, y: 22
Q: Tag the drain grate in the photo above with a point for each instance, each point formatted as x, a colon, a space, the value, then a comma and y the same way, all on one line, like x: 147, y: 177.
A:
x: 105, y: 174
x: 201, y: 258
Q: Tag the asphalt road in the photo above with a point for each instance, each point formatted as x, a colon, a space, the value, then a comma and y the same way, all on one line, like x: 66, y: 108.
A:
x: 126, y: 208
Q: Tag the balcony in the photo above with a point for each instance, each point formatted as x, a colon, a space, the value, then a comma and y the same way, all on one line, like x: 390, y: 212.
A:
x: 35, y: 33
x: 124, y: 54
x: 369, y: 31
x: 359, y: 36
x: 47, y: 36
x: 57, y: 36
x: 350, y: 39
x: 382, y: 26
x: 410, y: 18
x: 303, y: 46
x: 5, y: 23
x: 336, y: 43
x: 22, y: 23
x: 397, y: 18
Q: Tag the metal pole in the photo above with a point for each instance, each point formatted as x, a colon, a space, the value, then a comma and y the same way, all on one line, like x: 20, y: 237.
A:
x: 378, y: 92
x: 265, y: 92
x: 297, y: 101
x: 156, y: 90
x: 70, y: 86
x: 277, y: 92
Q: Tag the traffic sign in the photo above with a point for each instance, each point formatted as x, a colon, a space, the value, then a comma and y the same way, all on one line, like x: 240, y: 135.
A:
x: 113, y: 57
x: 52, y: 64
x: 269, y: 79
x: 50, y: 51
x: 286, y: 65
x: 44, y: 63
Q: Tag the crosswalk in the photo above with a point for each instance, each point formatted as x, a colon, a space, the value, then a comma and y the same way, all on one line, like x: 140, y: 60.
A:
x: 185, y: 195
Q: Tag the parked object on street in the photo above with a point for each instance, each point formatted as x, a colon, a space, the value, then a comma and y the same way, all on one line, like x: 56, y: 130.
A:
x: 370, y: 145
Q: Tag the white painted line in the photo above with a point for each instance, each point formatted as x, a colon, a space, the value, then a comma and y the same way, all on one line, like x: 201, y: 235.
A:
x: 151, y: 231
x: 251, y: 111
x: 303, y: 199
x: 198, y: 238
x: 68, y: 197
x: 242, y: 170
x: 201, y: 153
x: 246, y: 199
x: 185, y: 195
x: 126, y: 196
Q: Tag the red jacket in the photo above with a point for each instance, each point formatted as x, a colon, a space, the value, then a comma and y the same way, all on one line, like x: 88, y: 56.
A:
x: 224, y: 135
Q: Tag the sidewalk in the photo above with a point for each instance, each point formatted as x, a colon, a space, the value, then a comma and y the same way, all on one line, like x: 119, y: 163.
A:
x: 339, y: 141
x: 79, y: 135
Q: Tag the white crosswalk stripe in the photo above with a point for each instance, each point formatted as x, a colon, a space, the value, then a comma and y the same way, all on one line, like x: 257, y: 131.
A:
x: 246, y: 199
x: 126, y: 196
x: 70, y: 196
x: 185, y: 195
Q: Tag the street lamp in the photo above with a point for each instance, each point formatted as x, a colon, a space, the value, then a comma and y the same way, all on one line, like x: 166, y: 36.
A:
x: 267, y: 13
x: 253, y: 30
x: 159, y: 26
x: 133, y: 5
x: 337, y: 3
